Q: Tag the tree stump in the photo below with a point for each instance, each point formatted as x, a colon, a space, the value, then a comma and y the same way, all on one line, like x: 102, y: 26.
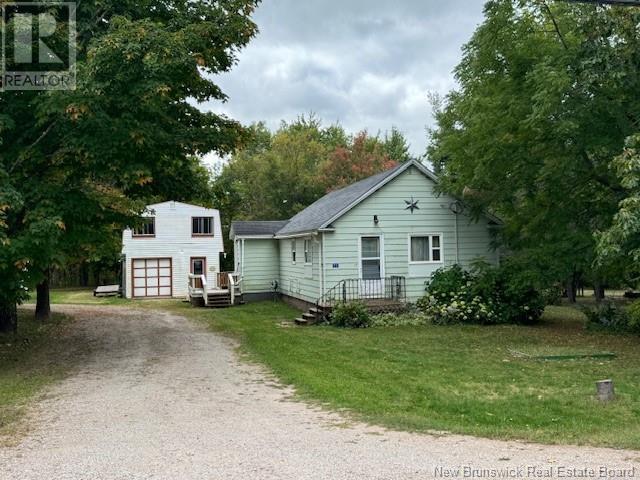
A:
x: 605, y: 390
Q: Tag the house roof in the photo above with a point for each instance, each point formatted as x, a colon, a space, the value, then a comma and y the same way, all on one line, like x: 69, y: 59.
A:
x: 256, y: 228
x: 320, y: 214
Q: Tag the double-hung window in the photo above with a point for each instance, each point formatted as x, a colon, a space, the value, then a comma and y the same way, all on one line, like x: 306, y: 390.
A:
x: 425, y: 248
x: 293, y: 251
x: 146, y: 229
x: 202, y: 226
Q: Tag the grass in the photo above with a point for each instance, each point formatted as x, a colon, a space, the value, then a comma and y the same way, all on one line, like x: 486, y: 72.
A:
x: 28, y: 363
x: 75, y: 296
x: 461, y: 379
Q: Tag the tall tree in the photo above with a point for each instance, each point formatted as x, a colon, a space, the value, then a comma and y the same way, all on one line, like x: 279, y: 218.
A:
x: 619, y: 246
x: 548, y: 92
x: 396, y: 146
x: 76, y: 164
x: 363, y: 157
x: 275, y: 175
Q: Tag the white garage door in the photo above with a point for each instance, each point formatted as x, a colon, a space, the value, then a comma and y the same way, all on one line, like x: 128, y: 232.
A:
x: 152, y: 277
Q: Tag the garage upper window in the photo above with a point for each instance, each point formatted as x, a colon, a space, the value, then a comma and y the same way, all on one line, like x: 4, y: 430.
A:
x: 146, y: 229
x: 202, y: 226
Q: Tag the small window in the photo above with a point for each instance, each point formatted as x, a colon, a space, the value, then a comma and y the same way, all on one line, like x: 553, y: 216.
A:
x: 308, y: 252
x: 147, y: 229
x: 426, y: 248
x: 293, y: 251
x: 202, y: 226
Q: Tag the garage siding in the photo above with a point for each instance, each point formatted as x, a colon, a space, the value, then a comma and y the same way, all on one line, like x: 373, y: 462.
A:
x: 173, y: 240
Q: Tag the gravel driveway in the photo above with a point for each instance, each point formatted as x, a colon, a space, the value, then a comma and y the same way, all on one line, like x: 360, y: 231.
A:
x: 159, y: 397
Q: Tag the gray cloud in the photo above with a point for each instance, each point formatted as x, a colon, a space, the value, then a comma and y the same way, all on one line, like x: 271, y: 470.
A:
x: 368, y: 64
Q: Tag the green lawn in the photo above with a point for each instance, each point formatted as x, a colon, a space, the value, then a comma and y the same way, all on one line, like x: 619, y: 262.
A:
x: 75, y: 296
x: 464, y: 379
x: 29, y: 361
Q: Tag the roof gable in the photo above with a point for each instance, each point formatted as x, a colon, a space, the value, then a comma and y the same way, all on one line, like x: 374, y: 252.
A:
x: 175, y: 203
x: 332, y: 206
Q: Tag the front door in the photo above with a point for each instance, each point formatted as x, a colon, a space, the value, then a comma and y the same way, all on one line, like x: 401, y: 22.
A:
x: 198, y: 267
x: 371, y: 267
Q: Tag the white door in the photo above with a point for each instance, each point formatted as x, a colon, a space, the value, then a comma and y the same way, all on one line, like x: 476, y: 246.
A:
x: 371, y: 267
x: 152, y: 277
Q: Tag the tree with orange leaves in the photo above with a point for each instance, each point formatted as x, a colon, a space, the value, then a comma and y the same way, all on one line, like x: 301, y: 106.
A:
x: 361, y: 158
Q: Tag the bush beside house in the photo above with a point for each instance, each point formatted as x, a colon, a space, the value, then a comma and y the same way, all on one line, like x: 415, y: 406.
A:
x: 350, y: 315
x: 485, y: 295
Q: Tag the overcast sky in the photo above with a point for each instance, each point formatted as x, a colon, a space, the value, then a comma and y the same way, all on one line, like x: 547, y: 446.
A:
x: 368, y: 64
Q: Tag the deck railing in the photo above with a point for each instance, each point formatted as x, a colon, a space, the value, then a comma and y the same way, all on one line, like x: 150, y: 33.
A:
x: 231, y: 281
x: 392, y: 288
x: 198, y: 287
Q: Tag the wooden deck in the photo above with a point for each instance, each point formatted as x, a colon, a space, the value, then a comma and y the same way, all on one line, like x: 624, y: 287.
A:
x: 225, y: 291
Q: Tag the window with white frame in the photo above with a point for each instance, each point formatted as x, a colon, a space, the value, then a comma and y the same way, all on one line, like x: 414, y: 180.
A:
x: 293, y: 251
x: 308, y: 253
x: 425, y: 248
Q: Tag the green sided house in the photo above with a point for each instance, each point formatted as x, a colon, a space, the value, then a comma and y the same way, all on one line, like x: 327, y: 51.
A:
x: 379, y: 239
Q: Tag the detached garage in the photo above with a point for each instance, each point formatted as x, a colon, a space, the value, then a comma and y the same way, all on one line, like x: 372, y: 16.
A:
x: 152, y: 277
x: 171, y: 241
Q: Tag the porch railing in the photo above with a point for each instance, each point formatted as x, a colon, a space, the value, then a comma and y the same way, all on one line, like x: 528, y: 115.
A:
x: 198, y: 287
x: 392, y: 288
x: 231, y: 281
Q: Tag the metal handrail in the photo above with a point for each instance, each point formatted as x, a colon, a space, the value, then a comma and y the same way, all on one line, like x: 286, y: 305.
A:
x: 348, y: 290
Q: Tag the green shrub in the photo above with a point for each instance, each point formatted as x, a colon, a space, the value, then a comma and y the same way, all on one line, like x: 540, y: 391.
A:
x: 617, y: 319
x: 485, y: 295
x: 552, y: 295
x: 350, y: 315
x: 608, y: 316
x: 634, y: 317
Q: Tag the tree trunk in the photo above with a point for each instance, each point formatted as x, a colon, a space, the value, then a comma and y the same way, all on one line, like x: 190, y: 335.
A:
x: 43, y: 301
x: 84, y: 275
x: 598, y: 289
x: 8, y: 318
x: 571, y: 290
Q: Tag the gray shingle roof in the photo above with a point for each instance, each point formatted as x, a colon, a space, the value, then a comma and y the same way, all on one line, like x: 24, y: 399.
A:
x: 256, y: 227
x: 317, y: 214
x: 331, y: 206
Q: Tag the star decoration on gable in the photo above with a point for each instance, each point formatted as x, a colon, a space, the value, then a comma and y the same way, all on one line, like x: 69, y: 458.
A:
x: 412, y: 204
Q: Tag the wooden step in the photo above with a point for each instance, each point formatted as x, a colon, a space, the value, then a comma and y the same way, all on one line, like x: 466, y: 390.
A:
x: 310, y: 316
x: 301, y: 321
x: 219, y: 301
